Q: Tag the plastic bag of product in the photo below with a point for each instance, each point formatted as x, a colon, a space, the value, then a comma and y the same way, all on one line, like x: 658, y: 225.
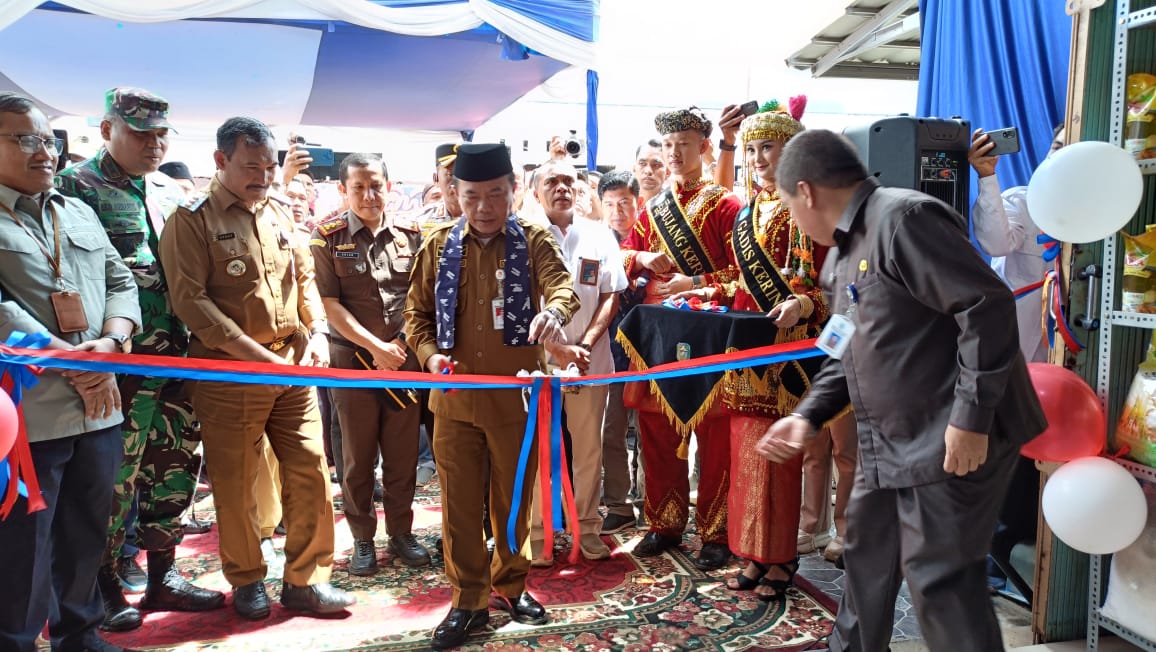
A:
x: 1131, y: 592
x: 1137, y: 426
x: 1140, y: 127
x: 1138, y: 285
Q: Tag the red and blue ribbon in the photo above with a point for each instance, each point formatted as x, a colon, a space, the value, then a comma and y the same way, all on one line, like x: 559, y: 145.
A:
x: 17, y: 473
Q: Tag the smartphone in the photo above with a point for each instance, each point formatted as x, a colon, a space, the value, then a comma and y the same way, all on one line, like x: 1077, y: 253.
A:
x: 1007, y: 141
x: 750, y: 108
x: 322, y: 156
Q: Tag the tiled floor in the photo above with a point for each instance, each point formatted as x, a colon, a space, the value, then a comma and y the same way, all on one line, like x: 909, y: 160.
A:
x: 1015, y: 621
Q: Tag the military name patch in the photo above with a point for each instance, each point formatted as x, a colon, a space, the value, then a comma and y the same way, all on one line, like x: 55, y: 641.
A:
x: 224, y: 236
x: 348, y: 254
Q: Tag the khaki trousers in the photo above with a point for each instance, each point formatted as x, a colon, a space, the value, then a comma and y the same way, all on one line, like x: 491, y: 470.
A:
x: 235, y: 419
x: 268, y: 491
x: 584, y: 413
x: 840, y: 441
x: 462, y: 450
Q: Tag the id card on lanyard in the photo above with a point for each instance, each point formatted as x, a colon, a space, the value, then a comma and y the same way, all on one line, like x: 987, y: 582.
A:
x: 837, y: 334
x: 67, y: 304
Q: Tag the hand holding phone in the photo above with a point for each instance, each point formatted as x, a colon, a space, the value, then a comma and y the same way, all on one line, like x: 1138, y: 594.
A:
x: 1005, y: 141
x: 750, y: 108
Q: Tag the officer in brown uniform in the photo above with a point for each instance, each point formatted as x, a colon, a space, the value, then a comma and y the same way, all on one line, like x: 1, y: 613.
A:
x: 244, y: 285
x: 363, y: 259
x: 477, y: 285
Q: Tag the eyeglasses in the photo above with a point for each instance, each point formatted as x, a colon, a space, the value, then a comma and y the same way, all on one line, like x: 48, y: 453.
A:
x: 31, y: 143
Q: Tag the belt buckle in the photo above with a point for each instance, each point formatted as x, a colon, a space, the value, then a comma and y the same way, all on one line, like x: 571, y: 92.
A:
x: 277, y: 345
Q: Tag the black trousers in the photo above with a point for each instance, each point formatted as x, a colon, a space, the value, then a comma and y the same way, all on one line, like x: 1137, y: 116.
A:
x: 52, y: 556
x: 937, y: 536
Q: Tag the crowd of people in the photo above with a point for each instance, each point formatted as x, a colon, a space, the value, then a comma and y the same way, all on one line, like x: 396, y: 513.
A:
x: 502, y: 271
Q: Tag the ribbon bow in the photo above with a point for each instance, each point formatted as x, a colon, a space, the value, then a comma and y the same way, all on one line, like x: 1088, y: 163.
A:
x: 1051, y: 247
x: 17, y: 475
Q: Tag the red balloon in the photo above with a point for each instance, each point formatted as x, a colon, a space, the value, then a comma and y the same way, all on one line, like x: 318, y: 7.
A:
x: 8, y: 424
x: 1077, y: 423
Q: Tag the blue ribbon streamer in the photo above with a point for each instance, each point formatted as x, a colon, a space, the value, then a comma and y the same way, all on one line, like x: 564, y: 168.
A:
x: 6, y: 476
x: 556, y: 454
x: 523, y: 463
x: 22, y: 376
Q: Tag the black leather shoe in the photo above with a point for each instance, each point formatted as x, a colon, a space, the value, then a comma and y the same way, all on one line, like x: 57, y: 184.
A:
x: 654, y: 544
x: 168, y: 591
x: 525, y: 609
x: 363, y: 562
x: 409, y: 551
x: 250, y: 601
x: 712, y: 556
x: 320, y: 599
x: 457, y: 626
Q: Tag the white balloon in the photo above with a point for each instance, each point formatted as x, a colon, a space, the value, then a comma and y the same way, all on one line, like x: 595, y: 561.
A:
x: 1094, y: 505
x: 1085, y: 192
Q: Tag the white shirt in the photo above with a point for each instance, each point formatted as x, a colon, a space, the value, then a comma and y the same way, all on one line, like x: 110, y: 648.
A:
x: 591, y: 253
x: 1005, y: 231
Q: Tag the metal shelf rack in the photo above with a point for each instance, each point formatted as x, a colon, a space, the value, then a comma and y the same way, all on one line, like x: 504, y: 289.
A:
x: 1111, y: 318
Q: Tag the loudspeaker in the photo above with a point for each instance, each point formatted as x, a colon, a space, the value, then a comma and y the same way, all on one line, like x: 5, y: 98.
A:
x: 924, y: 154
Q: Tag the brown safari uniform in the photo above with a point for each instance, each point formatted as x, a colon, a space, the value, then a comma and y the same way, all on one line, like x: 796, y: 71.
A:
x: 472, y: 427
x: 369, y: 274
x: 233, y: 272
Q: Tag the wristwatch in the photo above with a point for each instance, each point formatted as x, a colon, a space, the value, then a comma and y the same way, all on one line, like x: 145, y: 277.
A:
x: 123, y: 341
x: 557, y: 315
x: 322, y: 328
x: 722, y: 144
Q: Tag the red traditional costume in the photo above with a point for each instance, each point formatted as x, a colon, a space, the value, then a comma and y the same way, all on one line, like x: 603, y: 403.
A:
x: 765, y: 499
x: 696, y: 235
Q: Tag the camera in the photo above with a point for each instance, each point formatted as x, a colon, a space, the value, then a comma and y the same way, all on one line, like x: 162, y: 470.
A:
x: 574, y: 146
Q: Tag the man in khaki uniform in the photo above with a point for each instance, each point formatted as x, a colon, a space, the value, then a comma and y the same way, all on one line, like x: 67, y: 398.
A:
x: 363, y: 259
x: 244, y: 285
x: 477, y: 284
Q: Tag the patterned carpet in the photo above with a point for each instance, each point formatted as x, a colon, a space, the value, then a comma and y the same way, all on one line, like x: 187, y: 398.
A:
x: 657, y: 604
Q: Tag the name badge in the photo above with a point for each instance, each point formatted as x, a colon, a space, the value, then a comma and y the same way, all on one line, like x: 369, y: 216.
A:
x: 836, y: 336
x: 498, y: 308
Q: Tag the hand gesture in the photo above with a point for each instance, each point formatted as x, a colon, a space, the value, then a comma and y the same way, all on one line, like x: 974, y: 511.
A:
x: 703, y: 294
x: 966, y: 450
x: 565, y: 354
x: 977, y: 154
x: 728, y: 123
x: 787, y: 313
x: 316, y: 351
x: 659, y: 263
x: 388, y: 357
x: 437, y: 362
x: 98, y: 391
x: 545, y: 327
x: 296, y: 162
x: 785, y: 438
x: 673, y: 284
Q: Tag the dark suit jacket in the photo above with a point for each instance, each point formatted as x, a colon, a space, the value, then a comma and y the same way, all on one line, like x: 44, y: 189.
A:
x: 935, y: 341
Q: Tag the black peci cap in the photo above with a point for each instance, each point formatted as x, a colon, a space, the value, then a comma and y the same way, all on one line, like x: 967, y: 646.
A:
x: 482, y: 162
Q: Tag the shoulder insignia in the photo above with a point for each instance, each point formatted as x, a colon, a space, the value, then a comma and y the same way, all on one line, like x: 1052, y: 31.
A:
x: 195, y: 201
x: 317, y: 242
x: 407, y: 225
x: 331, y: 226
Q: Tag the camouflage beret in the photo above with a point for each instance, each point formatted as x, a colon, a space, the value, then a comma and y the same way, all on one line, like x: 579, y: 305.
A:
x: 692, y: 119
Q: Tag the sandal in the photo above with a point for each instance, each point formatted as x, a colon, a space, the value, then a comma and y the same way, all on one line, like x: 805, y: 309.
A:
x: 744, y: 583
x: 778, y: 585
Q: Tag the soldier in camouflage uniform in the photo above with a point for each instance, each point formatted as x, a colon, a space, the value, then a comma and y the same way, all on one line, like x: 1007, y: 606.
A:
x: 133, y: 200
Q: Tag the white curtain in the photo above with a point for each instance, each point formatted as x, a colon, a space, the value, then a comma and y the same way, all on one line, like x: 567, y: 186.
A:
x: 434, y: 20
